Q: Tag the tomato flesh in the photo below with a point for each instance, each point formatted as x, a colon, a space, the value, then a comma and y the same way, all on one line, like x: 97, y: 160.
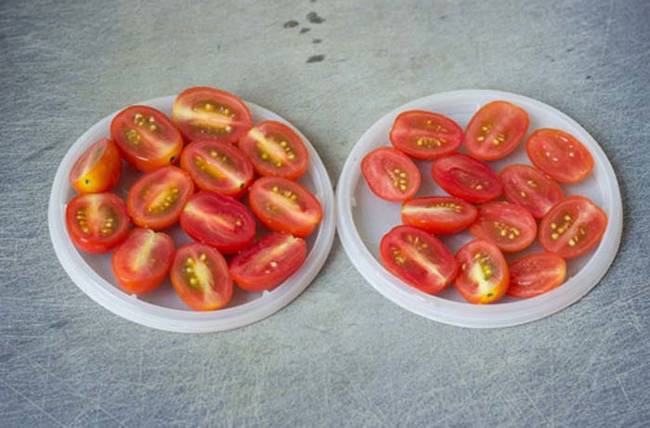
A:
x: 440, y: 215
x: 508, y: 226
x: 560, y: 155
x: 483, y: 276
x: 390, y: 174
x: 530, y: 188
x: 536, y: 274
x: 97, y: 169
x: 97, y: 222
x: 425, y: 135
x: 466, y: 178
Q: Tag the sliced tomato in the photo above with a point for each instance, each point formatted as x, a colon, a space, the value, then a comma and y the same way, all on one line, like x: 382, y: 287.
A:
x: 483, y: 276
x: 140, y: 264
x: 97, y: 169
x: 438, y: 214
x: 201, y: 278
x: 390, y: 174
x: 572, y: 227
x: 157, y: 198
x: 275, y: 150
x: 146, y: 137
x: 97, y: 222
x: 219, y: 221
x: 425, y: 135
x: 285, y: 206
x: 536, y: 274
x: 208, y: 113
x: 218, y: 167
x: 508, y: 226
x: 560, y: 155
x: 269, y: 262
x: 530, y: 188
x: 418, y: 258
x: 495, y: 130
x: 466, y: 178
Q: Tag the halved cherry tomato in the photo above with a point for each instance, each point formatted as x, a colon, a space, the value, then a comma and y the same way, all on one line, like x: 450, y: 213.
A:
x: 466, y: 178
x: 97, y: 222
x: 275, y: 150
x: 218, y: 167
x: 390, y: 174
x: 438, y: 214
x: 219, y: 221
x: 285, y: 206
x: 530, y: 188
x: 141, y: 263
x: 508, y: 226
x: 146, y: 137
x: 536, y: 274
x: 495, y: 130
x: 157, y: 198
x: 418, y: 258
x: 560, y: 155
x: 425, y: 135
x: 97, y: 169
x: 483, y: 276
x: 268, y: 262
x: 572, y: 227
x: 208, y: 113
x: 200, y: 277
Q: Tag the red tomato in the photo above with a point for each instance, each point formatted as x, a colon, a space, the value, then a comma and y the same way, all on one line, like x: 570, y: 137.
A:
x: 97, y: 222
x: 269, y: 262
x: 425, y: 135
x: 483, y: 276
x: 495, y: 130
x: 560, y: 155
x: 418, y: 258
x: 219, y: 221
x: 438, y: 214
x: 390, y: 174
x: 508, y: 226
x: 275, y: 150
x: 200, y: 277
x: 157, y: 198
x: 97, y: 169
x: 530, y: 188
x: 285, y: 206
x: 218, y: 167
x: 536, y: 274
x: 141, y: 263
x: 572, y: 227
x: 208, y: 113
x: 466, y: 178
x: 146, y: 137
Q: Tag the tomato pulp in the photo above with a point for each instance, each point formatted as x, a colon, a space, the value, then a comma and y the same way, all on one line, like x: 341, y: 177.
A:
x: 97, y: 169
x: 97, y: 222
x: 390, y: 174
x: 425, y: 135
x: 466, y: 178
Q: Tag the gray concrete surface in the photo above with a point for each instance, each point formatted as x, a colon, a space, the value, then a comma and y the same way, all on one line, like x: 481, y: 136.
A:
x: 340, y: 355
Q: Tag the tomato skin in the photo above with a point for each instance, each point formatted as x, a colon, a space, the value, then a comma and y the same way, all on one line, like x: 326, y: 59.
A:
x: 530, y: 188
x: 264, y: 146
x: 508, y: 226
x: 536, y: 274
x: 572, y: 227
x: 141, y: 263
x: 483, y: 276
x: 495, y: 130
x: 559, y: 155
x: 97, y: 169
x: 146, y: 138
x: 390, y: 174
x: 269, y: 262
x: 440, y: 215
x: 466, y: 178
x: 425, y: 135
x: 405, y: 250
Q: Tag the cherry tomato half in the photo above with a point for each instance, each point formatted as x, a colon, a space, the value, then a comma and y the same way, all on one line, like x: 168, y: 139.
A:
x: 536, y: 274
x: 390, y: 174
x: 560, y: 155
x: 275, y: 150
x: 508, y: 226
x: 418, y: 258
x: 425, y: 135
x: 466, y: 178
x: 97, y: 222
x: 436, y: 214
x: 146, y: 137
x: 157, y: 198
x: 495, y: 130
x: 572, y: 227
x: 97, y: 169
x: 530, y: 188
x: 483, y: 276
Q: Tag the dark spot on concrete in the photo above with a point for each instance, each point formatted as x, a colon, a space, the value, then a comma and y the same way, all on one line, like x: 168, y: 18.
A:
x: 443, y: 17
x: 316, y: 41
x: 314, y: 18
x: 571, y: 49
x: 6, y: 357
x: 304, y: 30
x: 290, y: 24
x: 315, y: 58
x: 588, y: 77
x: 313, y: 1
x: 59, y: 324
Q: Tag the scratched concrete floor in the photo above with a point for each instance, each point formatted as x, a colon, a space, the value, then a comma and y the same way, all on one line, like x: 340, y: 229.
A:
x: 340, y: 355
